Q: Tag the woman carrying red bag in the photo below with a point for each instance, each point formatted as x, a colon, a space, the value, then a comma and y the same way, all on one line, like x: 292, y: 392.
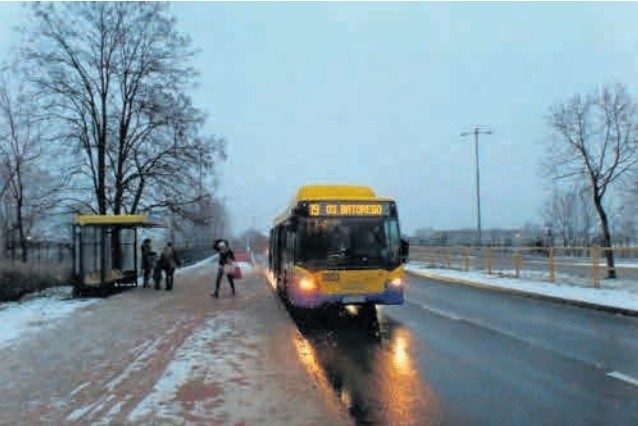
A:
x: 226, y: 262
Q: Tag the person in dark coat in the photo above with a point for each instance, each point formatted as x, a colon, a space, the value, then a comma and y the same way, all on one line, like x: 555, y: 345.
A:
x: 226, y: 257
x: 157, y: 273
x: 169, y: 261
x: 148, y: 260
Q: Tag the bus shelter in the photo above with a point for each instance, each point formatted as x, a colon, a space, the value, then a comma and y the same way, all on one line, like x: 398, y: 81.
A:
x: 105, y: 255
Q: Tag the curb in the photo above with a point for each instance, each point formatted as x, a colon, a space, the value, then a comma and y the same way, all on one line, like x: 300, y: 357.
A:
x: 556, y: 299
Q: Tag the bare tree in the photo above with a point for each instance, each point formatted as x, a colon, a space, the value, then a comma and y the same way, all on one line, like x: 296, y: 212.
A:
x: 628, y: 219
x: 29, y: 189
x: 571, y: 213
x: 561, y: 211
x: 114, y: 79
x: 586, y: 216
x: 630, y: 207
x: 595, y: 142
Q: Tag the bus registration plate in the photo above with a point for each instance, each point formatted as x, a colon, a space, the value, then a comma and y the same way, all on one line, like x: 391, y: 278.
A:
x: 331, y: 277
x: 354, y: 299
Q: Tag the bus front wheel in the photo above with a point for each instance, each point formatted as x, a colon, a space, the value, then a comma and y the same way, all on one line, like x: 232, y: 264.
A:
x: 368, y: 314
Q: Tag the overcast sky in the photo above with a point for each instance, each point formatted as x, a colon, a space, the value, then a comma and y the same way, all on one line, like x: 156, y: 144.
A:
x: 378, y: 94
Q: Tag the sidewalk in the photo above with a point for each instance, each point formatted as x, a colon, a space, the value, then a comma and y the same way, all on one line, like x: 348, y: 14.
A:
x: 621, y: 299
x: 168, y: 358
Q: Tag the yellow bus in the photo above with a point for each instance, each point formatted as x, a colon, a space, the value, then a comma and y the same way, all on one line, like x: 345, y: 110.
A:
x: 338, y: 245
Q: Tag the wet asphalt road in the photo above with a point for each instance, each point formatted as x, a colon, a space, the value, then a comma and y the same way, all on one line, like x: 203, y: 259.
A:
x: 454, y: 355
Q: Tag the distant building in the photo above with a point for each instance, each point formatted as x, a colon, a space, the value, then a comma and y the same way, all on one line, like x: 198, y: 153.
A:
x: 491, y: 237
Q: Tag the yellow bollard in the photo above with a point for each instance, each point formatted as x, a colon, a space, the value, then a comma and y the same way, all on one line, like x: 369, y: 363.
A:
x: 467, y: 258
x: 518, y: 260
x: 488, y: 259
x: 595, y: 254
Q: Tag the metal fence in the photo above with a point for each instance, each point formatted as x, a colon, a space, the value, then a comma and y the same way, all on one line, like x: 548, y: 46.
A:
x: 585, y: 265
x: 44, y: 258
x: 58, y: 256
x: 40, y: 252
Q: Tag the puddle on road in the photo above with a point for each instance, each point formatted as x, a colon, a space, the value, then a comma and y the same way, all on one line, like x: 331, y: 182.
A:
x: 374, y: 375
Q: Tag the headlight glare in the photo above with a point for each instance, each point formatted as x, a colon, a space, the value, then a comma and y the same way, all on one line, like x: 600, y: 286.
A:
x: 396, y: 282
x: 306, y: 283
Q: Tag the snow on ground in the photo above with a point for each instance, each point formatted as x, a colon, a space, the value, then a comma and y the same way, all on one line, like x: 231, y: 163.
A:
x: 623, y: 294
x: 37, y: 311
x: 201, y: 264
x: 43, y: 309
x: 206, y: 263
x: 143, y: 354
x: 206, y: 270
x: 209, y: 366
x: 601, y: 263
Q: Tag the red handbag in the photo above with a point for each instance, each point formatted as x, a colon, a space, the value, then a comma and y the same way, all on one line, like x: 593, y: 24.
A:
x: 237, y: 272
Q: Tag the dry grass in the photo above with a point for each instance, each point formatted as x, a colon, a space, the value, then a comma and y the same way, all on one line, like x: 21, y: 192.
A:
x: 18, y: 279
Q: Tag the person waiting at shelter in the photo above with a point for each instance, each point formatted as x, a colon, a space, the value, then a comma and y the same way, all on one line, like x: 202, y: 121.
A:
x: 148, y: 260
x: 169, y: 262
x: 225, y: 261
x: 157, y: 273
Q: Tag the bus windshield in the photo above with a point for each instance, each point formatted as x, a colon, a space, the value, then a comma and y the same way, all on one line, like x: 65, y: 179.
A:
x: 348, y: 242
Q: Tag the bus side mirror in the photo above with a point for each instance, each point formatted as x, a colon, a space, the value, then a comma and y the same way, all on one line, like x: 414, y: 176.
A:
x: 404, y: 252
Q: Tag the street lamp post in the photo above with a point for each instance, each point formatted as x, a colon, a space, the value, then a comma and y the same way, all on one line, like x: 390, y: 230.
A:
x: 478, y: 130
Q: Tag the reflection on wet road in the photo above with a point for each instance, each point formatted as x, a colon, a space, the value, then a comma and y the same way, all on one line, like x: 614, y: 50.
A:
x: 454, y: 355
x: 374, y: 376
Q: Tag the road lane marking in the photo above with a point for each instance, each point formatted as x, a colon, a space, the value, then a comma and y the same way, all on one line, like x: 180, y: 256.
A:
x: 624, y: 377
x: 441, y: 313
x: 526, y: 340
x: 536, y: 343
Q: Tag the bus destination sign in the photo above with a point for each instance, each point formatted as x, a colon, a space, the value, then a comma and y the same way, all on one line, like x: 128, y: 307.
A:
x: 348, y: 208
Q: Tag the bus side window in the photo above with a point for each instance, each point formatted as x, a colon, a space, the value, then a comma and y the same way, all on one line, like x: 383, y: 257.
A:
x: 290, y: 244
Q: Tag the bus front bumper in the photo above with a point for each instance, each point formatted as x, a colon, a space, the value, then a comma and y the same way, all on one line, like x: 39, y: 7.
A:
x: 391, y: 296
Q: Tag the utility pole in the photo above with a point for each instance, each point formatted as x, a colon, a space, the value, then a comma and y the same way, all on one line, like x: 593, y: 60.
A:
x: 478, y: 130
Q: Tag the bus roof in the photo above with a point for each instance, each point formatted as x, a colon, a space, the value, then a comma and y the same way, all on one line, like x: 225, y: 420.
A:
x: 330, y: 192
x: 110, y: 220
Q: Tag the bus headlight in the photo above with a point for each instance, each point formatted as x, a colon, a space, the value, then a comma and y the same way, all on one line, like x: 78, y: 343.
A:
x: 306, y: 283
x: 395, y: 283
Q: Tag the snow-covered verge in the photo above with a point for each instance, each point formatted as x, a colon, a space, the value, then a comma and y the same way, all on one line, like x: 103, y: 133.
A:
x: 36, y: 312
x: 621, y: 294
x: 41, y: 310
